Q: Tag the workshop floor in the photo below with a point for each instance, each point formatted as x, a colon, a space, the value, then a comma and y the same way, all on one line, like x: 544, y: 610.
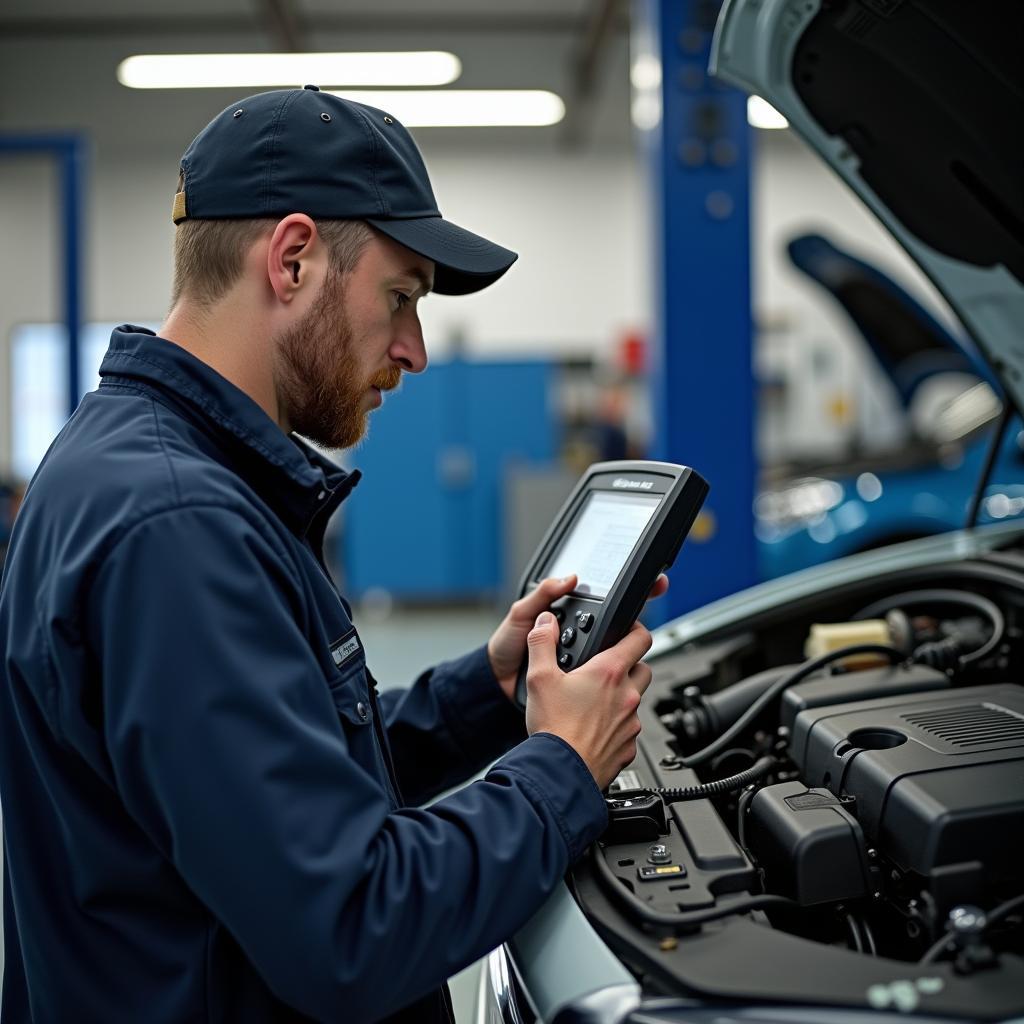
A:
x: 399, y: 644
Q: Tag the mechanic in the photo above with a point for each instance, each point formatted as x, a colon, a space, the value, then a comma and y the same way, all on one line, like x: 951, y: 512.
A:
x: 210, y: 814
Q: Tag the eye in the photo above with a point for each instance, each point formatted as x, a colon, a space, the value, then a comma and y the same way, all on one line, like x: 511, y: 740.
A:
x: 401, y: 300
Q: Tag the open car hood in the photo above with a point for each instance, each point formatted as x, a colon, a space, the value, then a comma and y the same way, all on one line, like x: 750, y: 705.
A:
x: 911, y: 346
x: 916, y: 104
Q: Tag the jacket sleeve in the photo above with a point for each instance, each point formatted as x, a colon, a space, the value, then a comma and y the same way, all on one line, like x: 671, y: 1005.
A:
x: 452, y: 722
x: 227, y: 749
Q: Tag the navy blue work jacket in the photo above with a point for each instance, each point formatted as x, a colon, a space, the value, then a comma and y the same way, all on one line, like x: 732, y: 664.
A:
x: 209, y: 815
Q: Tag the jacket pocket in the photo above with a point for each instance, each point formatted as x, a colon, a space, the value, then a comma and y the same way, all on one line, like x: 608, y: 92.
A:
x: 350, y: 693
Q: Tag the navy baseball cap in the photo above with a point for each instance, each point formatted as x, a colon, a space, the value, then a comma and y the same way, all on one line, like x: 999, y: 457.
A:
x: 307, y: 151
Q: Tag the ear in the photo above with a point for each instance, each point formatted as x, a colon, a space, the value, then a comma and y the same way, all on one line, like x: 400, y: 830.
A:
x: 294, y: 251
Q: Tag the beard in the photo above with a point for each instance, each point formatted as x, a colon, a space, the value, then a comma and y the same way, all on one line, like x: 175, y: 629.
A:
x: 320, y: 386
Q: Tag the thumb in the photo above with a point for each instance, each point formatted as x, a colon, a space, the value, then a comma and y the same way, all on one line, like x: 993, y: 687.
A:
x: 540, y: 642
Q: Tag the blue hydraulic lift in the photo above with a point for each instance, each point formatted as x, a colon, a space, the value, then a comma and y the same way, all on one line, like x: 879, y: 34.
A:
x: 69, y: 152
x: 697, y: 139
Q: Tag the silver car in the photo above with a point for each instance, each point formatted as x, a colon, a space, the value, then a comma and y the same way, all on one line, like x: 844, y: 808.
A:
x: 825, y: 822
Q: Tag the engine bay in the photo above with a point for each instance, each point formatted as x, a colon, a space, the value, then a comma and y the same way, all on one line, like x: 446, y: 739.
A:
x: 828, y: 803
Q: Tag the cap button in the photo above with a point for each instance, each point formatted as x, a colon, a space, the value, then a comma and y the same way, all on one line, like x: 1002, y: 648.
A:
x: 314, y: 88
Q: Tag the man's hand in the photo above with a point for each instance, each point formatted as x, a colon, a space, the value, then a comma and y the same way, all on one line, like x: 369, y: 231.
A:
x: 593, y: 708
x: 507, y: 646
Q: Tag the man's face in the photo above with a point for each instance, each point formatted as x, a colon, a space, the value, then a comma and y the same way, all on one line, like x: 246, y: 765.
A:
x: 353, y: 343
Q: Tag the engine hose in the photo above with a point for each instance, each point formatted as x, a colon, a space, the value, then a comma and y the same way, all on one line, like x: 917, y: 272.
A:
x: 773, y: 691
x: 942, y: 653
x: 719, y: 786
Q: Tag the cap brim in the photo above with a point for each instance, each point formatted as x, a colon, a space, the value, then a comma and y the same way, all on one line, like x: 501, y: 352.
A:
x: 464, y: 262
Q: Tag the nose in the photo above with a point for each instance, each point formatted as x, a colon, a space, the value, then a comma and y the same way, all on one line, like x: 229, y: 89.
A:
x: 408, y: 349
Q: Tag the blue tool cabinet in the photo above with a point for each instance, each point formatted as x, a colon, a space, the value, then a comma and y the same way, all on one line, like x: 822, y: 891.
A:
x: 425, y: 523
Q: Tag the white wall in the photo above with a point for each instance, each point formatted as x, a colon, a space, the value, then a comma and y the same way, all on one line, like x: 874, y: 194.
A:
x: 577, y: 220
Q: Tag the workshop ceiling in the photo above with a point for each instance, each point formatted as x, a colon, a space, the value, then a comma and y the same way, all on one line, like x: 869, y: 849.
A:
x: 58, y: 60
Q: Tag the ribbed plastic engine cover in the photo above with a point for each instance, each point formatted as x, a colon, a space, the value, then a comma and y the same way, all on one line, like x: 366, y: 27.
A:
x: 938, y: 778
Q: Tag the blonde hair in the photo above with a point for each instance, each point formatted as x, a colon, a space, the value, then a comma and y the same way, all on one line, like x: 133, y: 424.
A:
x: 209, y: 254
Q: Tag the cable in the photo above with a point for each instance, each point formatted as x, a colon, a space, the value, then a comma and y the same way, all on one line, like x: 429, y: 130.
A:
x: 994, y: 917
x: 1004, y: 910
x: 719, y: 786
x: 936, y: 950
x: 741, y: 822
x: 716, y: 764
x: 869, y: 936
x: 964, y: 598
x: 690, y: 919
x: 806, y: 669
x: 851, y: 927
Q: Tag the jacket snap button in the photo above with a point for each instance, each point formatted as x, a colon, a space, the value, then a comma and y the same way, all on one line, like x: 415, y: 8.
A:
x: 362, y: 712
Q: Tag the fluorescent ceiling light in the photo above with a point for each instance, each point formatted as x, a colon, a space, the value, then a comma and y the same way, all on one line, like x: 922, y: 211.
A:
x: 465, y: 108
x: 645, y: 72
x: 761, y: 114
x: 241, y: 70
x: 645, y: 110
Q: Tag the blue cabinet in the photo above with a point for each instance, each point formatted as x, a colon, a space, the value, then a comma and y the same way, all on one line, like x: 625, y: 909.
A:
x: 425, y: 522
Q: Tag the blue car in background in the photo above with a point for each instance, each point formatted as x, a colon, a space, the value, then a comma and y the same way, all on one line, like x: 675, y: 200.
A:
x: 808, y: 515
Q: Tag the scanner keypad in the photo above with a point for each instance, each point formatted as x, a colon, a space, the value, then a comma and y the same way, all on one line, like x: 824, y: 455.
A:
x: 575, y: 616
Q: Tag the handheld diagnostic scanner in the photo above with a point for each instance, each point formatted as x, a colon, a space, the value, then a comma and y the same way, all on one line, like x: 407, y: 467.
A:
x: 623, y: 524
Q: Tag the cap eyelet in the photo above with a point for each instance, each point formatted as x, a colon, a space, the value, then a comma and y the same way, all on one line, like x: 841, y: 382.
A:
x: 325, y: 117
x: 388, y: 119
x: 238, y: 112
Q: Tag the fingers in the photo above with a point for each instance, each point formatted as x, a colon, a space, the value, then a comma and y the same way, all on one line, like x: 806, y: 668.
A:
x: 659, y: 588
x: 542, y: 596
x: 540, y: 644
x: 635, y: 644
x: 640, y: 675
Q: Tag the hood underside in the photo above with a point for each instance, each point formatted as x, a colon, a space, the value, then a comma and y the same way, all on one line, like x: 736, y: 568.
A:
x: 917, y: 104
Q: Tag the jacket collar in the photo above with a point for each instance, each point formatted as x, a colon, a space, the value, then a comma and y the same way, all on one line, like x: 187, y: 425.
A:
x: 291, y: 475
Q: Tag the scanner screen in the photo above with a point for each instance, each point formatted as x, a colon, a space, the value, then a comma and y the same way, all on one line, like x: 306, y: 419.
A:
x: 601, y: 540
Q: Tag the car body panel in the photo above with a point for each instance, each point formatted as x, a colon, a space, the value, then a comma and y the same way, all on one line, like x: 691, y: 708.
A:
x: 563, y: 957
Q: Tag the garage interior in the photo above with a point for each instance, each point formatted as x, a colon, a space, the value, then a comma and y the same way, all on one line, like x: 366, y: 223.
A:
x: 661, y: 306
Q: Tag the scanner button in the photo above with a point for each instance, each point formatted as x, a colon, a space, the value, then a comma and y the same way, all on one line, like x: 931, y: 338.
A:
x: 565, y: 661
x: 568, y: 636
x: 584, y: 620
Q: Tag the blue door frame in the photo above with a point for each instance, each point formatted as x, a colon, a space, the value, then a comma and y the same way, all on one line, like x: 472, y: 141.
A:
x: 69, y: 152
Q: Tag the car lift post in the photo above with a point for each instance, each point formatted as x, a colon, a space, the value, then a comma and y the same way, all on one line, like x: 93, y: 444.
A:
x: 69, y: 151
x: 697, y: 141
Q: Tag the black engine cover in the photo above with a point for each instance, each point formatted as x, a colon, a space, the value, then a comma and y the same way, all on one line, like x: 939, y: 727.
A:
x: 938, y: 778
